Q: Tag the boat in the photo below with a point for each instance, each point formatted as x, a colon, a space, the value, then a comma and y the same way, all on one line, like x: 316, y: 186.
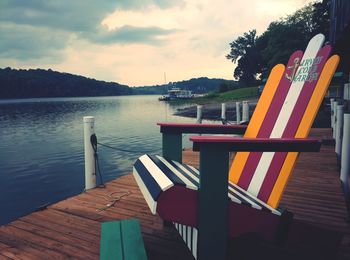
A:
x: 177, y: 93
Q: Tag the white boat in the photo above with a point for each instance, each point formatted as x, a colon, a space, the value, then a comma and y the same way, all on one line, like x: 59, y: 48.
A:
x: 177, y: 93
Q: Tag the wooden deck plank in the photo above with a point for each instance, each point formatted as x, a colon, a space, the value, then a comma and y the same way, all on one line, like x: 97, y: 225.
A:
x: 65, y: 222
x: 26, y: 248
x: 73, y: 231
x: 58, y: 236
x: 17, y: 254
x: 46, y: 243
x: 71, y: 228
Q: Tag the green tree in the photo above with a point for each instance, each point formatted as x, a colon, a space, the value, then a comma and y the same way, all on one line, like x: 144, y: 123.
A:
x: 247, y: 57
x: 321, y: 17
x: 278, y: 42
x: 256, y: 55
x: 223, y: 87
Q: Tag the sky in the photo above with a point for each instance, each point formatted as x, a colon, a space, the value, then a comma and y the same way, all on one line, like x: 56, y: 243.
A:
x: 132, y: 42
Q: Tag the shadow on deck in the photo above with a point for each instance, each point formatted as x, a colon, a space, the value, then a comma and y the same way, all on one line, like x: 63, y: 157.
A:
x: 71, y: 228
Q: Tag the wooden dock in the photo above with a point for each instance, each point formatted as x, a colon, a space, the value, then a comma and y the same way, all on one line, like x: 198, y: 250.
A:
x: 70, y: 229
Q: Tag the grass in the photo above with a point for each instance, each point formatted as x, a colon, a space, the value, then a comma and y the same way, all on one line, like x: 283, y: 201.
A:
x: 216, y: 97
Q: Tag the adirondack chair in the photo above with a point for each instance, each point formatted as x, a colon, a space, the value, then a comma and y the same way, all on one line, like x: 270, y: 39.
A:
x: 209, y: 205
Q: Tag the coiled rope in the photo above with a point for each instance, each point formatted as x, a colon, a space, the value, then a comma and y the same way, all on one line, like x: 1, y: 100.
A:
x: 93, y: 140
x: 114, y: 199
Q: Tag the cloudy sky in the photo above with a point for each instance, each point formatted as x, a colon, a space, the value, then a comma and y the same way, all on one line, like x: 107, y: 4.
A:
x: 132, y: 42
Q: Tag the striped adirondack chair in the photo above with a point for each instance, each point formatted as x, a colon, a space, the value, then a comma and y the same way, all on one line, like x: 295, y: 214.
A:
x: 213, y: 203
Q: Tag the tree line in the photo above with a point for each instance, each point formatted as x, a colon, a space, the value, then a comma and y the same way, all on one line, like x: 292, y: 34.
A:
x: 255, y: 55
x: 35, y: 83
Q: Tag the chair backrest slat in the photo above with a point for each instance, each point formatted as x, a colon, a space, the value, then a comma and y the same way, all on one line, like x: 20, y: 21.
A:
x: 304, y: 128
x: 259, y: 114
x: 258, y: 172
x: 293, y: 121
x: 243, y: 176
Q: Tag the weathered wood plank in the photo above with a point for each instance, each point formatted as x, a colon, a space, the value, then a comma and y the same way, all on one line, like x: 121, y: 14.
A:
x: 57, y: 235
x: 71, y: 228
x: 22, y: 236
x: 25, y: 247
x: 64, y: 222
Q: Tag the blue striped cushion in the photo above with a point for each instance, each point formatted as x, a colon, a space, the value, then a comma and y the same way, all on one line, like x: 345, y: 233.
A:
x: 155, y: 174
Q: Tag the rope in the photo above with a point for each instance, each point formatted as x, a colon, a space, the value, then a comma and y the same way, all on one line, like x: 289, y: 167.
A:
x: 93, y: 140
x: 113, y: 200
x: 127, y: 150
x: 94, y: 143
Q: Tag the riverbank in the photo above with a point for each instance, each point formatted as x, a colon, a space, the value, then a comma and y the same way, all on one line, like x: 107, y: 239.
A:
x: 212, y: 104
x: 212, y: 111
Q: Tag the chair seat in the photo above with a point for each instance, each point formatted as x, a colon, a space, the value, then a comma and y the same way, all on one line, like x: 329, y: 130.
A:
x: 156, y: 174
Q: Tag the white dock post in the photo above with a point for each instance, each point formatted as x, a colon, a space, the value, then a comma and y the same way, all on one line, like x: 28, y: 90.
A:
x: 238, y: 113
x: 223, y: 111
x: 245, y: 111
x: 346, y: 95
x: 90, y: 171
x: 334, y: 113
x: 339, y: 131
x: 199, y: 114
x: 345, y: 154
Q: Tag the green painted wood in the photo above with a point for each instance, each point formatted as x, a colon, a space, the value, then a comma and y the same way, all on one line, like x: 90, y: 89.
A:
x: 186, y: 128
x: 111, y: 241
x: 122, y: 240
x: 213, y: 202
x: 172, y: 146
x: 134, y: 248
x: 260, y: 144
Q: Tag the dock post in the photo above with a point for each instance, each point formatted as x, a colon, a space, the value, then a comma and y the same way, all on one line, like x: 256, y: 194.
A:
x: 238, y: 113
x: 334, y: 112
x: 345, y: 154
x: 90, y: 171
x: 245, y: 111
x: 199, y: 114
x: 223, y: 111
x: 339, y: 131
x: 346, y: 97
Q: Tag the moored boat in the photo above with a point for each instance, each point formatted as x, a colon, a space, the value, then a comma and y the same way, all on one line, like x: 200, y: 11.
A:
x: 177, y: 93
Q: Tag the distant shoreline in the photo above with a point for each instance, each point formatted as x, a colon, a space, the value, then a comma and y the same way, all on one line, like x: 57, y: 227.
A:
x: 213, y: 111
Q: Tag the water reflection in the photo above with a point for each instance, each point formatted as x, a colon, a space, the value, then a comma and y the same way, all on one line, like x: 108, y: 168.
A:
x: 41, y: 145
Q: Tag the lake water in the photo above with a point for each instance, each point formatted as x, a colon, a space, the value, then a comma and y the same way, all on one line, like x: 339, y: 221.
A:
x: 41, y: 145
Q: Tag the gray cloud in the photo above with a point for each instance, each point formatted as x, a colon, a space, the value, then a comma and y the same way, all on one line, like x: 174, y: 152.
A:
x: 128, y: 34
x: 72, y: 15
x: 26, y: 42
x: 36, y: 28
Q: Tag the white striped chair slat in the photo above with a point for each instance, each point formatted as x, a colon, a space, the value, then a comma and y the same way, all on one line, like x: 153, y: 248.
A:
x: 165, y: 167
x: 185, y: 179
x: 189, y: 236
x: 152, y: 204
x: 163, y: 181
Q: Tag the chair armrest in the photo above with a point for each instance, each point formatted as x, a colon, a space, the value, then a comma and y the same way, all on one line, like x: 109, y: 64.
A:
x: 179, y: 128
x: 258, y: 144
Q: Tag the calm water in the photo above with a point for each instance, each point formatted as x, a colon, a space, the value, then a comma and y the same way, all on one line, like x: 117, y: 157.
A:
x: 41, y: 145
